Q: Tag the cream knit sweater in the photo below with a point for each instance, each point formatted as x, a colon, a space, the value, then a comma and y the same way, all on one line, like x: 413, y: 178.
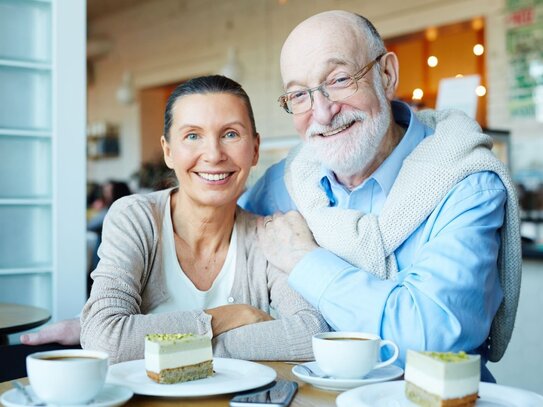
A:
x: 129, y: 282
x: 457, y: 149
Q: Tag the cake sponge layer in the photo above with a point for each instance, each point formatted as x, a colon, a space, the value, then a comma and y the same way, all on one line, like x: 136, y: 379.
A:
x: 183, y: 374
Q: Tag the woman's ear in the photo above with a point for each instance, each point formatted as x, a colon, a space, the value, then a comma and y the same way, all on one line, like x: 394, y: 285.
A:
x: 257, y: 149
x: 167, y: 152
x: 390, y: 74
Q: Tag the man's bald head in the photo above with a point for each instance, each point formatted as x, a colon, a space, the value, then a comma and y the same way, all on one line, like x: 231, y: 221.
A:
x: 329, y: 29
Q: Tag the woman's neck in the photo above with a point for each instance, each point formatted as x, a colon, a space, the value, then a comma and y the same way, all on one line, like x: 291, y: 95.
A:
x: 204, y: 229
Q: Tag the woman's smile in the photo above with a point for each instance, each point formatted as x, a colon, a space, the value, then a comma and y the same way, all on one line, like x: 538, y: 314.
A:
x: 214, y: 177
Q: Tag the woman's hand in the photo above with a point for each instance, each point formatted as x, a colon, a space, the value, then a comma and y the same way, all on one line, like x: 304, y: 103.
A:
x: 227, y: 317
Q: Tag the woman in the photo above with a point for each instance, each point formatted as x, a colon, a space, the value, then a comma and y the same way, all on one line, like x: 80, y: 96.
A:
x: 186, y: 259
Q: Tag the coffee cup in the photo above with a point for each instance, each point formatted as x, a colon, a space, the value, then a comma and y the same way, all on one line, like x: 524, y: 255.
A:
x: 70, y: 376
x: 350, y: 355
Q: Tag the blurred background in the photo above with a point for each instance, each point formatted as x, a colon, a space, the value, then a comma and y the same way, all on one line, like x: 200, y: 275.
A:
x: 83, y: 86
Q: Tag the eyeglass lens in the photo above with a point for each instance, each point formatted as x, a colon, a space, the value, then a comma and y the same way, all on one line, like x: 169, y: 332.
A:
x: 336, y: 89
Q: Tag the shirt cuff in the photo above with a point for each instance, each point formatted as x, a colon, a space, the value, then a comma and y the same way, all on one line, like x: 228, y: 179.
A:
x: 328, y: 265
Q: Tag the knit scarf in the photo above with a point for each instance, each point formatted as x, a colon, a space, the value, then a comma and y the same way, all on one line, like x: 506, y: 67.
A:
x: 456, y: 150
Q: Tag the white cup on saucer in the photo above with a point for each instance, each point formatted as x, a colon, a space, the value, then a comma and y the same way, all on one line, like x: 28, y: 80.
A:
x: 350, y: 355
x: 71, y: 376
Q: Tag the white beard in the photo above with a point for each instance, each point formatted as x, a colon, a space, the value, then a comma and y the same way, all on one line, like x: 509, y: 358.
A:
x: 348, y: 155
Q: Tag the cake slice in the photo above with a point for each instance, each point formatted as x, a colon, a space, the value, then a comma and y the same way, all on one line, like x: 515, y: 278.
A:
x: 434, y: 379
x: 174, y: 358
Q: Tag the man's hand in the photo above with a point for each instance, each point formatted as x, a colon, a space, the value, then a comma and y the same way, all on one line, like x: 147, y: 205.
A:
x: 65, y: 332
x: 285, y: 239
x: 227, y: 317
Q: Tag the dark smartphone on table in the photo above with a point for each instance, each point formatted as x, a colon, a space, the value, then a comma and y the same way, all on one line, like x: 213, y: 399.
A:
x: 279, y: 393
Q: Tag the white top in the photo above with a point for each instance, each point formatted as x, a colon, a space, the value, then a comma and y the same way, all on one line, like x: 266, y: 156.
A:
x: 183, y: 295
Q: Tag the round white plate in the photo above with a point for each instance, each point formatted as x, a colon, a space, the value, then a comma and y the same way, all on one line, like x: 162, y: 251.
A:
x: 375, y: 376
x: 231, y: 375
x: 392, y: 394
x: 110, y: 396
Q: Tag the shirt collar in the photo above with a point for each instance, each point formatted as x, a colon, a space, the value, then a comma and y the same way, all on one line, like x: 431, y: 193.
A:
x: 387, y: 172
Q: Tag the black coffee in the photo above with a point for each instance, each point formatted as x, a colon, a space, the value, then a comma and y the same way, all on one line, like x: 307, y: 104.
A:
x: 347, y: 339
x: 69, y: 358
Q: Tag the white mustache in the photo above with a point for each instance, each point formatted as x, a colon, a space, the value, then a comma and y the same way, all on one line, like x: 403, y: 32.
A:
x: 338, y: 121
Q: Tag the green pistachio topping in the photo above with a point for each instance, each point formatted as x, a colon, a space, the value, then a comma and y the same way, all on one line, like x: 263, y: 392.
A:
x: 448, y: 356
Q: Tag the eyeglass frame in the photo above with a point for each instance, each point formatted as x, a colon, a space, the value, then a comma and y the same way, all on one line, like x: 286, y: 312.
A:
x: 355, y: 78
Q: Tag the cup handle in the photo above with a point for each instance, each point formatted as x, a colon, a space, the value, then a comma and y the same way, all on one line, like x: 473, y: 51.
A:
x: 393, y: 358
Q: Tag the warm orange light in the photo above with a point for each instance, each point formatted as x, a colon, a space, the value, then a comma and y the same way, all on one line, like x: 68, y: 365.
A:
x: 478, y: 49
x: 432, y: 61
x: 431, y: 33
x: 480, y: 90
x: 458, y: 75
x: 417, y: 94
x: 477, y: 23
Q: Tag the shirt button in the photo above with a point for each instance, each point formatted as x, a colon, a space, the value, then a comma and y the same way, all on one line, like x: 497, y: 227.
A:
x: 230, y: 300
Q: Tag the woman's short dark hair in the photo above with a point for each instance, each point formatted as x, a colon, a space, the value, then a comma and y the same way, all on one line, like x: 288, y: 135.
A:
x: 203, y: 85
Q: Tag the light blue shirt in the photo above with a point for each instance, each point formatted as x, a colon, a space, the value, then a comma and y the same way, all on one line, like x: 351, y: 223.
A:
x: 447, y: 289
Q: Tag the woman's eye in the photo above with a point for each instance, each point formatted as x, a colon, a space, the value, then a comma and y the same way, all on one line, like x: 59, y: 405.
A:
x: 191, y: 136
x: 231, y: 135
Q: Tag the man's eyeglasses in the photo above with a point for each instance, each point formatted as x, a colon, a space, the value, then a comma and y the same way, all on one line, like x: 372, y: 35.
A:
x: 335, y: 89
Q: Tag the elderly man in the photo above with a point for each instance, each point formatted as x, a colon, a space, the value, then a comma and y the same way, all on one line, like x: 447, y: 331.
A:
x: 412, y: 221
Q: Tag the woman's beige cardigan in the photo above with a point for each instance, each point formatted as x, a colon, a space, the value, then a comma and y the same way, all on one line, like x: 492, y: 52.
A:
x: 129, y: 281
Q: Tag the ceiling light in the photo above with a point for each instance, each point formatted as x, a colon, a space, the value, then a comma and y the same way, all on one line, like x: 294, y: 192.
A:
x: 478, y: 49
x: 431, y: 33
x: 477, y: 23
x: 232, y: 69
x: 417, y: 94
x: 480, y: 90
x: 432, y: 61
x: 126, y: 93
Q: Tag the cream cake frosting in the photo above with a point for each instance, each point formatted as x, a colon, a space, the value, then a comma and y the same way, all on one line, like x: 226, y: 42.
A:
x: 172, y: 358
x: 442, y: 379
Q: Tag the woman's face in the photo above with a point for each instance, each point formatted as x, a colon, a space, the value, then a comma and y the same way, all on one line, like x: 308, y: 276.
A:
x: 211, y: 147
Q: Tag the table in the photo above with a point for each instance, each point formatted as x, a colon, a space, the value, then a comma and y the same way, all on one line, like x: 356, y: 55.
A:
x: 307, y: 396
x: 17, y: 318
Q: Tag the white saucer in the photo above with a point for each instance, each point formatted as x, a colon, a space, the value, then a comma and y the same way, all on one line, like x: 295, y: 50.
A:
x: 392, y: 394
x: 111, y: 395
x: 375, y: 376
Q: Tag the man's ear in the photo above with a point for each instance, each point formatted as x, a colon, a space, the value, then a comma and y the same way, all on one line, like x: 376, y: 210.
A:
x: 390, y: 74
x: 257, y: 149
x: 167, y: 152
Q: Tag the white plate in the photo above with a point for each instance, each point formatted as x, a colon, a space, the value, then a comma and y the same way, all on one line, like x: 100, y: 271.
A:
x: 392, y: 394
x: 231, y: 375
x: 375, y: 376
x: 110, y: 396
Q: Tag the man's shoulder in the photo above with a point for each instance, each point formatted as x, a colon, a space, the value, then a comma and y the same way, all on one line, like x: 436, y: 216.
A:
x: 479, y: 182
x: 273, y: 175
x: 269, y: 194
x: 477, y: 190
